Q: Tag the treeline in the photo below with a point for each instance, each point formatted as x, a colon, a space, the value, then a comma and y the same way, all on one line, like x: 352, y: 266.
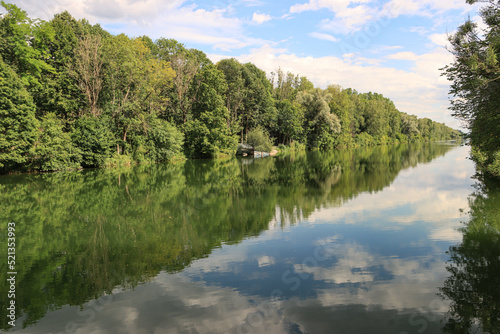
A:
x: 475, y: 76
x: 73, y: 95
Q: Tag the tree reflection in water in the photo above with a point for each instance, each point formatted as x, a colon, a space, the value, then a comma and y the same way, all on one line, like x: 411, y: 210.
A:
x: 474, y: 285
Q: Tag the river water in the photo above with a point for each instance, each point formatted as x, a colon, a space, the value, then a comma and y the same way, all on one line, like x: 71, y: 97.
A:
x: 349, y: 241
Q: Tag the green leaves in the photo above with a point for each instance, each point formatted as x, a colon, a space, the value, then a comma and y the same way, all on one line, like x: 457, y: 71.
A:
x: 53, y: 149
x: 475, y: 76
x: 17, y: 120
x: 24, y: 44
x: 259, y: 139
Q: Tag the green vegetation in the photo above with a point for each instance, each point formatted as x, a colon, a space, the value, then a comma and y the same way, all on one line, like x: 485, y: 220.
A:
x: 72, y: 95
x: 475, y: 74
x: 472, y: 287
x: 85, y: 233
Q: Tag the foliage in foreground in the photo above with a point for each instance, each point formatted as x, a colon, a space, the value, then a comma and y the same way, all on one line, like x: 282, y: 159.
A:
x: 475, y: 76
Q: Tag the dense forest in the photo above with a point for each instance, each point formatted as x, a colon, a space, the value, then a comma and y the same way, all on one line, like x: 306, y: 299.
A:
x: 475, y: 76
x: 72, y: 95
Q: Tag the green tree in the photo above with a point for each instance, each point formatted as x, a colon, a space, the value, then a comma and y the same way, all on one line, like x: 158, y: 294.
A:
x: 166, y: 141
x: 186, y: 63
x: 290, y: 124
x: 259, y: 139
x: 24, y: 44
x: 95, y: 140
x: 208, y: 134
x: 236, y: 91
x: 136, y: 84
x: 320, y: 122
x: 53, y: 149
x: 475, y: 76
x: 17, y: 120
x: 59, y: 91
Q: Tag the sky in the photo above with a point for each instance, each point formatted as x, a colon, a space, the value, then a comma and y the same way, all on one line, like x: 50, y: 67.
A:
x: 395, y: 47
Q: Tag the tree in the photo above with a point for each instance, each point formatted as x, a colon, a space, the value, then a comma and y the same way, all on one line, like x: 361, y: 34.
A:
x: 235, y: 92
x: 59, y: 91
x: 290, y: 122
x: 321, y: 124
x: 94, y: 139
x: 136, y: 85
x: 208, y: 133
x: 475, y: 76
x: 259, y: 139
x: 24, y: 44
x: 17, y: 120
x: 53, y: 149
x: 186, y: 63
x: 88, y: 70
x: 165, y: 140
x: 259, y: 108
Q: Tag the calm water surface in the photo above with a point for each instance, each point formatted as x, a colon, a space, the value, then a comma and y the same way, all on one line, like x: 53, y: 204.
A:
x: 375, y: 240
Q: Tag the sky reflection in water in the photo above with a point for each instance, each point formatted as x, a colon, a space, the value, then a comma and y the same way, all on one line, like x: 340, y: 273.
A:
x: 369, y: 264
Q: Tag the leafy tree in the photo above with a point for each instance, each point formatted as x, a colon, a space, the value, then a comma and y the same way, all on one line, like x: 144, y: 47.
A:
x: 59, y: 91
x: 186, y: 63
x: 208, y: 133
x: 475, y: 76
x: 53, y: 149
x: 321, y: 123
x: 259, y: 108
x: 259, y: 139
x: 166, y: 141
x: 24, y: 44
x: 17, y: 122
x: 236, y: 91
x: 135, y: 86
x: 290, y: 122
x: 94, y: 139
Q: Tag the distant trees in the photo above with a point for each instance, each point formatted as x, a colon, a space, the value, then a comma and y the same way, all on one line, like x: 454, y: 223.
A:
x: 72, y: 95
x: 475, y: 76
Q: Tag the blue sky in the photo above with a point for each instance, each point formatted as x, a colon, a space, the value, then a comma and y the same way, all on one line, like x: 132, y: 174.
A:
x: 392, y: 47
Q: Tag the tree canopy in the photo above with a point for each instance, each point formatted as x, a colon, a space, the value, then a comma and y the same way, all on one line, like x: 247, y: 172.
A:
x: 475, y: 76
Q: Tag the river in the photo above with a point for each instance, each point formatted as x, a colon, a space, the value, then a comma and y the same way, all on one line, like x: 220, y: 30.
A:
x: 349, y: 241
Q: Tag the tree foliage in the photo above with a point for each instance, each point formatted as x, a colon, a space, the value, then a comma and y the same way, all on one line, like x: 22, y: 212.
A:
x: 475, y: 76
x: 17, y: 119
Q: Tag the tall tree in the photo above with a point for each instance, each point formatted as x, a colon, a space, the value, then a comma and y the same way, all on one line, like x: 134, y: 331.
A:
x: 17, y: 120
x: 186, y: 63
x: 321, y: 124
x: 208, y: 133
x: 88, y: 70
x: 24, y: 44
x: 475, y: 76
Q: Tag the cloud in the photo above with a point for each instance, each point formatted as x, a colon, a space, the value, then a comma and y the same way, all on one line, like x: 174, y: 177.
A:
x: 261, y: 18
x: 324, y: 36
x: 348, y: 20
x: 332, y: 5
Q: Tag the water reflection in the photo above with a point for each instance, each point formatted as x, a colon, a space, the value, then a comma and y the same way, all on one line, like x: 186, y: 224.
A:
x: 301, y: 243
x: 473, y: 285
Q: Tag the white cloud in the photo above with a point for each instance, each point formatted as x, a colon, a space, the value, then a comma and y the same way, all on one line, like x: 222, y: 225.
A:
x: 332, y: 5
x: 261, y: 18
x: 440, y: 39
x: 323, y: 36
